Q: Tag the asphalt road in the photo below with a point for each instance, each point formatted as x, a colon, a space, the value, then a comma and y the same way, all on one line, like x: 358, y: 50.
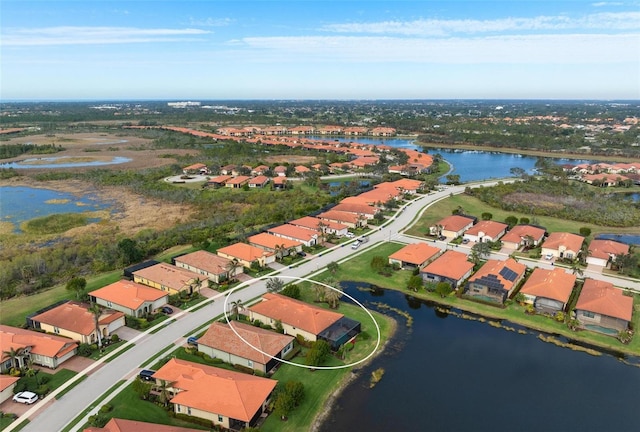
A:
x: 53, y: 415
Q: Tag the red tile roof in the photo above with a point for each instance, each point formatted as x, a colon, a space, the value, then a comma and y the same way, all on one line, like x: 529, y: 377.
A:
x: 489, y: 228
x: 572, y: 242
x: 215, y: 390
x: 296, y: 313
x: 604, y: 248
x: 495, y: 268
x: 555, y: 284
x: 451, y: 264
x: 272, y: 242
x: 455, y: 222
x: 221, y: 337
x: 122, y: 425
x: 75, y: 317
x: 244, y: 252
x: 364, y: 209
x: 340, y: 216
x: 7, y: 380
x: 41, y: 343
x: 294, y: 231
x: 415, y: 253
x: 128, y: 294
x: 207, y: 261
x: 603, y: 298
x: 168, y: 275
x: 312, y: 223
x: 519, y: 232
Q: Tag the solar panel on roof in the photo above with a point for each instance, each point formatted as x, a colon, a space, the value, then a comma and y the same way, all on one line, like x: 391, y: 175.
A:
x: 508, y: 274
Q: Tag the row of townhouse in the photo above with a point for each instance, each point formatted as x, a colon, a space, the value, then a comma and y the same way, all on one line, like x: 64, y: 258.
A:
x: 307, y: 130
x: 555, y: 245
x: 600, y: 306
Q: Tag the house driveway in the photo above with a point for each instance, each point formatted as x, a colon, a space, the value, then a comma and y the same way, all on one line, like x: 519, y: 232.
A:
x: 127, y: 333
x: 208, y: 292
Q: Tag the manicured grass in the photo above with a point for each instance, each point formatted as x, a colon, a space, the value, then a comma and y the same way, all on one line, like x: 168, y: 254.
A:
x: 5, y: 422
x: 474, y: 207
x: 359, y: 268
x: 55, y: 380
x: 14, y: 311
x: 127, y: 405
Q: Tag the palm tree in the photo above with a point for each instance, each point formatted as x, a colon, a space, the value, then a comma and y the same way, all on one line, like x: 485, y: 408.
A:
x: 164, y: 394
x: 279, y: 250
x: 483, y: 249
x: 332, y: 295
x: 232, y: 267
x: 236, y: 306
x: 576, y: 269
x: 13, y: 354
x: 32, y: 372
x: 321, y: 231
x: 97, y: 312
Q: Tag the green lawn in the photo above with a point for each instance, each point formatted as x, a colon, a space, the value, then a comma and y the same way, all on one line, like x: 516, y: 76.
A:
x: 359, y: 268
x: 474, y: 207
x: 14, y: 310
x: 55, y: 380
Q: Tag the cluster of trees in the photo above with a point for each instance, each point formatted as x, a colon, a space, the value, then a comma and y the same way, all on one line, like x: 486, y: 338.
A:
x: 571, y: 201
x: 12, y: 150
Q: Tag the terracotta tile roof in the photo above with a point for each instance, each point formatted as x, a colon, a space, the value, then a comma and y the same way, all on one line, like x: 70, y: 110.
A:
x: 312, y: 223
x: 194, y: 167
x: 495, y: 270
x: 215, y: 390
x: 519, y: 232
x: 488, y: 227
x: 221, y: 337
x: 340, y: 216
x: 455, y: 222
x: 122, y: 425
x: 244, y: 252
x: 271, y: 241
x: 554, y: 284
x: 260, y: 169
x: 294, y: 231
x: 415, y: 253
x: 168, y: 275
x: 603, y: 298
x: 296, y: 313
x: 205, y: 260
x: 259, y: 180
x: 402, y: 185
x: 75, y: 317
x: 605, y: 248
x: 364, y: 209
x: 128, y: 294
x: 7, y: 380
x: 451, y: 264
x: 220, y: 179
x: 572, y: 242
x: 279, y: 180
x: 41, y: 343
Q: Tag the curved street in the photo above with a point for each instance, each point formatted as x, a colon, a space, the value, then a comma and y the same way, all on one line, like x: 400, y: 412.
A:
x: 55, y: 414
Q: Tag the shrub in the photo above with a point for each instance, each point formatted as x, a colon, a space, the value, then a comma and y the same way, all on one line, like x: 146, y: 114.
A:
x: 84, y: 350
x: 106, y: 408
x: 98, y: 420
x: 45, y: 379
x: 191, y: 419
x: 243, y: 368
x: 115, y: 338
x: 42, y: 390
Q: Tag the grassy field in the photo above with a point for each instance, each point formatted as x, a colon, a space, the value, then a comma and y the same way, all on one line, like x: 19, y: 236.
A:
x: 474, y: 207
x: 14, y: 311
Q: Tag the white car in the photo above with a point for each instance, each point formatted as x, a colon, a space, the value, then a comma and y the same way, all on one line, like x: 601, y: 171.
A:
x: 355, y: 245
x: 548, y: 257
x: 349, y: 234
x: 25, y: 397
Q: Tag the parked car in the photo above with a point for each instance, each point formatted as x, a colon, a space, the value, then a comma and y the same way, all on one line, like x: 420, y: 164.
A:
x: 548, y: 257
x: 465, y: 241
x: 167, y: 310
x: 349, y: 234
x: 145, y: 374
x: 192, y: 341
x: 363, y: 239
x: 302, y: 254
x: 25, y: 397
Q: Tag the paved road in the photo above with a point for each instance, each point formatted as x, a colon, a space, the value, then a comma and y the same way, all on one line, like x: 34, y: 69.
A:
x: 56, y: 414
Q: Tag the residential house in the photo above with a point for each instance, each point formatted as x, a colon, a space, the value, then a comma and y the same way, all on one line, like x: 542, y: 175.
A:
x: 279, y: 245
x: 548, y: 290
x: 382, y: 131
x: 302, y: 130
x: 197, y: 168
x: 496, y: 280
x: 7, y: 384
x: 316, y: 224
x: 452, y: 226
x: 303, y: 319
x: 355, y: 131
x: 604, y: 179
x: 214, y: 267
x: 364, y: 210
x: 232, y: 400
x: 237, y: 182
x: 486, y: 231
x: 255, y: 347
x: 75, y: 321
x: 414, y: 255
x: 601, y: 252
x: 41, y: 348
x: 452, y: 266
x: 377, y: 197
x: 122, y: 425
x: 280, y: 171
x: 523, y: 235
x: 301, y: 170
x: 130, y: 298
x: 169, y: 278
x: 247, y: 254
x: 330, y: 130
x: 305, y: 236
x: 563, y: 245
x: 279, y: 183
x: 405, y: 186
x: 259, y: 181
x: 229, y: 170
x: 351, y: 220
x: 260, y: 170
x: 603, y: 308
x: 219, y: 181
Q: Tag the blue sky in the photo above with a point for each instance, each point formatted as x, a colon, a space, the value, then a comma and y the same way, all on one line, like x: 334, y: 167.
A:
x: 347, y: 49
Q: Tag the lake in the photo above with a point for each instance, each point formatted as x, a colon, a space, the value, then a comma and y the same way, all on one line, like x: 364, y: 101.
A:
x: 58, y: 162
x: 21, y: 203
x: 470, y: 165
x: 451, y: 374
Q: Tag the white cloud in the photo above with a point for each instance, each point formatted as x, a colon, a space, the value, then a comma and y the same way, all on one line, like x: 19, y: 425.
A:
x: 436, y: 27
x: 603, y: 4
x: 514, y: 49
x: 93, y: 35
x: 211, y: 22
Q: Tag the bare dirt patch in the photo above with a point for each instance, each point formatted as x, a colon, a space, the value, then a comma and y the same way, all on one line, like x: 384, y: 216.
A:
x: 292, y: 159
